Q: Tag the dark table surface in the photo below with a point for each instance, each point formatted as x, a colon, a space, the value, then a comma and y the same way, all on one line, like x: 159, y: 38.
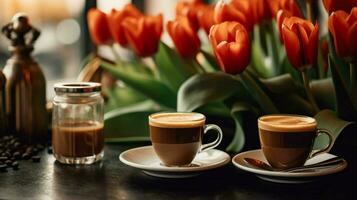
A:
x: 111, y: 179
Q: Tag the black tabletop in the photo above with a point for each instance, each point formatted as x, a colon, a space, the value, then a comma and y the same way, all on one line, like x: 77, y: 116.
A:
x: 111, y: 179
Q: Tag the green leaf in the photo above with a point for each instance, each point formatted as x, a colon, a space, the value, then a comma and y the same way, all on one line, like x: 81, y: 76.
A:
x: 129, y: 123
x: 288, y: 68
x: 324, y: 93
x: 257, y: 61
x: 292, y: 103
x: 204, y: 88
x: 288, y: 95
x: 327, y: 119
x: 344, y: 104
x: 217, y: 109
x: 144, y: 84
x: 282, y: 84
x: 237, y: 113
x: 122, y: 96
x: 264, y: 101
x: 341, y: 67
x: 211, y: 61
x: 172, y: 69
x: 273, y: 43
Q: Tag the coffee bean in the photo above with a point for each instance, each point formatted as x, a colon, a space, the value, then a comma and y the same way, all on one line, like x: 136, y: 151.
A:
x: 12, y: 149
x: 7, y: 154
x: 36, y: 158
x: 25, y: 156
x: 16, y: 155
x: 29, y: 149
x: 17, y: 144
x: 8, y: 162
x: 15, y: 165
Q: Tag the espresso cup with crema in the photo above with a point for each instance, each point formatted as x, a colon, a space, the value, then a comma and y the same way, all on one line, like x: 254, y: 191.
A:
x: 287, y: 140
x: 177, y: 137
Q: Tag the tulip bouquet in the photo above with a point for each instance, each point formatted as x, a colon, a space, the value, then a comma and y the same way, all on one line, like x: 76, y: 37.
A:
x: 233, y: 61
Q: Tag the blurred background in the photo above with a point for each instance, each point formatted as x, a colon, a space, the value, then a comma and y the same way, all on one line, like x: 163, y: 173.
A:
x: 64, y: 40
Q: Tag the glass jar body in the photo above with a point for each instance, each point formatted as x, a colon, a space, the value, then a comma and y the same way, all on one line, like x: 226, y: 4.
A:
x: 77, y: 127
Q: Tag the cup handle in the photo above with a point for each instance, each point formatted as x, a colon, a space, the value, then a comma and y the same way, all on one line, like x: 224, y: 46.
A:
x: 328, y: 147
x: 215, y: 143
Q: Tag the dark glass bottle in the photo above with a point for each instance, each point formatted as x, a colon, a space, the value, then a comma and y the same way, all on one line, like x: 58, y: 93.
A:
x: 26, y: 85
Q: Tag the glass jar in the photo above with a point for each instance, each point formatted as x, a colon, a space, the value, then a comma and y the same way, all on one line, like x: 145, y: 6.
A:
x: 77, y: 123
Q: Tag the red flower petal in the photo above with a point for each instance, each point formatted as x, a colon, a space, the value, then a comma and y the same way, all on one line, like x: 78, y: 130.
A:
x: 339, y: 28
x: 98, y: 26
x: 292, y: 46
x: 313, y: 44
x: 352, y: 38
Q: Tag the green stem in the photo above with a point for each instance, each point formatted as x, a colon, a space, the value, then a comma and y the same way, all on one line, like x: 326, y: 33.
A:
x: 309, y: 10
x: 353, y: 81
x: 198, y: 66
x: 272, y: 44
x: 259, y: 95
x: 309, y: 95
x: 152, y: 68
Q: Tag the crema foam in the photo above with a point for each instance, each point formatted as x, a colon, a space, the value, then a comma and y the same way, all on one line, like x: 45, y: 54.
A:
x: 177, y: 120
x: 290, y: 123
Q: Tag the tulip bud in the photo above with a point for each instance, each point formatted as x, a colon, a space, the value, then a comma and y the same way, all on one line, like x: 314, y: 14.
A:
x: 334, y: 5
x: 143, y: 34
x: 343, y: 27
x: 300, y: 38
x: 115, y: 19
x: 98, y: 26
x: 205, y: 17
x: 238, y: 12
x: 231, y: 45
x: 184, y: 37
x: 280, y: 16
x: 189, y: 9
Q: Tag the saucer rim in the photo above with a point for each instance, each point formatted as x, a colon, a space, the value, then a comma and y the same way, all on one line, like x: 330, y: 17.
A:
x: 324, y: 172
x: 226, y: 160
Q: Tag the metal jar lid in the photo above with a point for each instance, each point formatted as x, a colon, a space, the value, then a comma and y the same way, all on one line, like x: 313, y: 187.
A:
x: 78, y: 87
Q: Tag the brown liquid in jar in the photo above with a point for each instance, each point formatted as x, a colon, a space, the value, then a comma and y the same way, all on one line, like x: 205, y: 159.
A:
x: 77, y: 139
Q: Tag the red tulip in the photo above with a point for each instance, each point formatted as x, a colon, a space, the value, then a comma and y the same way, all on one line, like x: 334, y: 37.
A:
x: 98, y: 26
x: 184, y: 37
x: 205, y: 17
x: 189, y: 9
x: 280, y: 16
x: 262, y: 10
x: 143, y: 33
x: 231, y: 45
x: 238, y: 11
x: 193, y: 1
x: 115, y: 19
x: 301, y: 41
x: 286, y: 5
x: 343, y: 28
x: 334, y: 5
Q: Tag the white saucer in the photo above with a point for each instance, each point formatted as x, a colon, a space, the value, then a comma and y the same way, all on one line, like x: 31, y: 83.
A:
x: 286, y: 177
x: 144, y: 158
